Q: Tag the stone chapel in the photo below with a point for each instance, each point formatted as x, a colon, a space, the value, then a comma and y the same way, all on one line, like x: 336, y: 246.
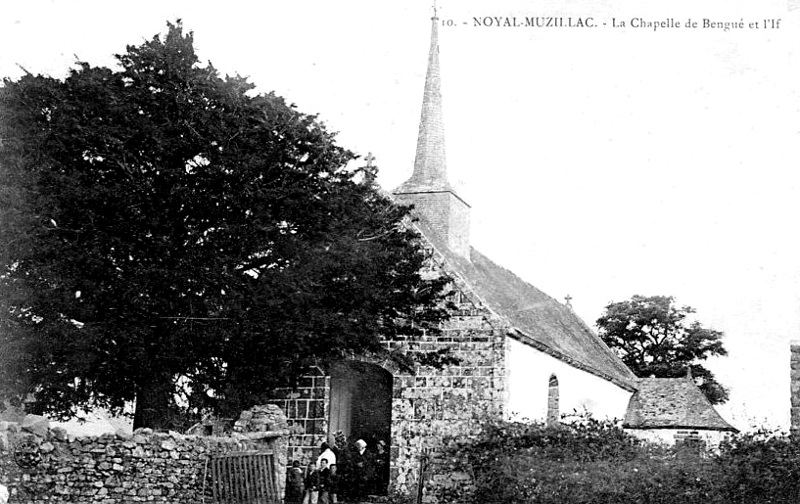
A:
x: 523, y: 354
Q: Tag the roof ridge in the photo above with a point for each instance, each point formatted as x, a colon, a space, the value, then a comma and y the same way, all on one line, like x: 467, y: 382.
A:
x: 546, y: 325
x: 463, y: 283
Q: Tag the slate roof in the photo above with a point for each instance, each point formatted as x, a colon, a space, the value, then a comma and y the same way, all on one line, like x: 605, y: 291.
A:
x: 536, y: 319
x: 672, y: 403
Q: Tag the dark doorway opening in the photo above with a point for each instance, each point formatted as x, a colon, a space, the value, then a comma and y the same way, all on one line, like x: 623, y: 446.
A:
x: 361, y: 408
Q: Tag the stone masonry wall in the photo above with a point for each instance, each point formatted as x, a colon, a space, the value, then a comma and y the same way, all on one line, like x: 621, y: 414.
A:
x: 709, y: 439
x: 446, y: 213
x: 794, y: 364
x: 266, y: 425
x: 435, y: 404
x: 43, y: 465
x: 306, y: 410
x: 428, y: 405
x: 458, y: 232
x: 553, y: 409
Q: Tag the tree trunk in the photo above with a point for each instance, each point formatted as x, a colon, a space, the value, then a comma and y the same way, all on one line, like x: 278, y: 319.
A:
x: 154, y: 403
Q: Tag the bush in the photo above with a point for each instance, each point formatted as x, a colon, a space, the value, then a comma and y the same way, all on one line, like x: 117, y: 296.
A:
x: 596, y: 462
x: 761, y: 467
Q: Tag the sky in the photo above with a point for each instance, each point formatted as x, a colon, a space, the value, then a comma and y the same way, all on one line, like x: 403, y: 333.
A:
x: 600, y: 162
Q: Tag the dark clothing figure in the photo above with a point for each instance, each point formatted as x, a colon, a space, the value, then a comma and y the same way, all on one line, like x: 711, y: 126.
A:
x: 381, y: 471
x: 312, y: 480
x: 343, y: 473
x: 324, y: 486
x: 294, y: 485
x: 342, y: 477
x: 333, y: 484
x: 361, y: 470
x: 312, y: 486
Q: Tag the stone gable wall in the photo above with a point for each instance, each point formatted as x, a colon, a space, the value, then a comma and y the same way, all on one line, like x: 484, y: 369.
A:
x: 428, y: 404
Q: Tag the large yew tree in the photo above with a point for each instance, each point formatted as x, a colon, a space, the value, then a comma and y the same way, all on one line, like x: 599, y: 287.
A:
x: 166, y: 231
x: 655, y: 337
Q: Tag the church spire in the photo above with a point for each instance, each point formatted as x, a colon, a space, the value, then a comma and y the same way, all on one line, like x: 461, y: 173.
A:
x: 428, y: 189
x: 430, y: 167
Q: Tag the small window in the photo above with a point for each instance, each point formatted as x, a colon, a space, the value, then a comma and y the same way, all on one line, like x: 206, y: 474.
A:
x: 553, y: 412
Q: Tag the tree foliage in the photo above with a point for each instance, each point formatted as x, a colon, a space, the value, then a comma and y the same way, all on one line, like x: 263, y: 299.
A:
x: 654, y: 337
x: 167, y: 230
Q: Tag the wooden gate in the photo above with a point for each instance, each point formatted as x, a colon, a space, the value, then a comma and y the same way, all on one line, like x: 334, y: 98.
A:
x: 244, y: 478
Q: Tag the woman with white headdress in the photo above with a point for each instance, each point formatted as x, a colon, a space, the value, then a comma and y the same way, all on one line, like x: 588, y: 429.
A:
x: 361, y: 466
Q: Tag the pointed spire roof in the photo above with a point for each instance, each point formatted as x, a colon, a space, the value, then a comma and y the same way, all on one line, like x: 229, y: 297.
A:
x: 430, y: 167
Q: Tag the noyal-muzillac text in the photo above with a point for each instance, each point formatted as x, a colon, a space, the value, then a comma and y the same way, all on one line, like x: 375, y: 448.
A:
x: 533, y: 22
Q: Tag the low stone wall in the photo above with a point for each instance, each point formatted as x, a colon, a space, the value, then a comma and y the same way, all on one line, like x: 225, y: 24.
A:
x: 708, y: 439
x: 44, y: 465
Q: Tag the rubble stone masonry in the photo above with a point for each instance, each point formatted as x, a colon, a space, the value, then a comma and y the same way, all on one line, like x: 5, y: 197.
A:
x: 795, y: 386
x: 43, y: 465
x: 428, y: 404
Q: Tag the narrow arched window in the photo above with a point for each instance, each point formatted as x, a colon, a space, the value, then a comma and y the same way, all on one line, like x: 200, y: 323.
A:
x: 553, y: 413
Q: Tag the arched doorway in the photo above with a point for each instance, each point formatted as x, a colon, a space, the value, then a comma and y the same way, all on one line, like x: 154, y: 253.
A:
x: 361, y: 408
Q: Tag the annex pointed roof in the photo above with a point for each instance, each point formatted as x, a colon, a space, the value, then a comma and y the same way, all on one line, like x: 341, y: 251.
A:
x: 430, y: 164
x: 672, y: 403
x: 534, y: 318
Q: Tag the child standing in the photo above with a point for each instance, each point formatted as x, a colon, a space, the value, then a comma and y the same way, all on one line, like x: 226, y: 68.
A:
x: 324, y: 481
x: 333, y: 484
x: 312, y: 485
x: 294, y: 484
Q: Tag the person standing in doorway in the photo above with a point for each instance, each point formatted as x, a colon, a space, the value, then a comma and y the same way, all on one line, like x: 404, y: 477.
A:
x: 362, y: 470
x: 381, y: 468
x: 342, y: 452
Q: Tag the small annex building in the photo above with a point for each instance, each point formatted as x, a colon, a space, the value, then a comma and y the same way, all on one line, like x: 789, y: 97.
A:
x: 522, y: 352
x: 672, y: 411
